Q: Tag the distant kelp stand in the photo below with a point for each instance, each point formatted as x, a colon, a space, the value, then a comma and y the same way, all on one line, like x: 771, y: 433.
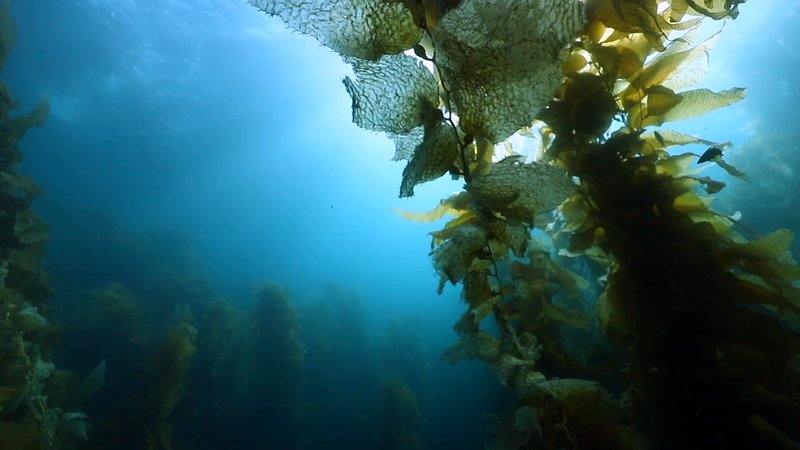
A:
x: 580, y: 223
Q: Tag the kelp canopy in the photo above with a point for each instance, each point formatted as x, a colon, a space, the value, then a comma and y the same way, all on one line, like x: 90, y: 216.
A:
x: 698, y: 310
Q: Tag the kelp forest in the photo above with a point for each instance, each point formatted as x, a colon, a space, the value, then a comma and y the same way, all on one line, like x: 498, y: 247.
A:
x: 607, y: 304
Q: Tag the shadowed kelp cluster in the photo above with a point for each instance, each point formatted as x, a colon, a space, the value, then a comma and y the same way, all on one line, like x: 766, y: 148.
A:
x: 697, y: 307
x: 35, y: 407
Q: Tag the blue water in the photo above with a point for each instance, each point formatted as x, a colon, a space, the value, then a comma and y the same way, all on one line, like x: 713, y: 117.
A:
x: 206, y: 137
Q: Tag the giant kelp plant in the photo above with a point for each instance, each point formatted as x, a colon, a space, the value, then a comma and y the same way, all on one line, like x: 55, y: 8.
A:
x: 33, y: 392
x: 698, y: 308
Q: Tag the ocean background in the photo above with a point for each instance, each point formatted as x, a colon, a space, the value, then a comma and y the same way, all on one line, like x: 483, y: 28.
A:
x: 197, y: 150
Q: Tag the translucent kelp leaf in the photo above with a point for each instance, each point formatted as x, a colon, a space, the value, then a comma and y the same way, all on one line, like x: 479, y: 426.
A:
x: 390, y: 94
x: 576, y: 214
x: 716, y: 9
x: 432, y: 158
x: 676, y: 59
x: 521, y: 191
x: 721, y: 223
x: 661, y: 100
x: 632, y: 16
x: 454, y: 205
x: 452, y: 259
x: 690, y: 201
x: 469, y: 217
x: 500, y: 64
x: 405, y: 144
x: 710, y: 185
x: 366, y: 29
x: 693, y: 70
x: 773, y: 245
x: 669, y: 138
x: 623, y: 59
x: 733, y: 171
x: 684, y: 185
x: 484, y: 157
x: 701, y: 101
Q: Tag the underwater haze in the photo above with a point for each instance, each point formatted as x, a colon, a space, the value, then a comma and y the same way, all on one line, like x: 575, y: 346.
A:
x: 200, y: 165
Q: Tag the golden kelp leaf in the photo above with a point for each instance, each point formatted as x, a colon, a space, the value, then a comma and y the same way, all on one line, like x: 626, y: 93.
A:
x: 777, y: 273
x: 18, y: 126
x: 716, y: 9
x: 694, y: 67
x: 623, y: 58
x: 484, y: 153
x: 521, y: 191
x: 500, y: 64
x: 683, y: 185
x: 575, y: 211
x: 454, y: 205
x: 432, y: 158
x: 692, y: 202
x: 701, y: 101
x: 630, y: 63
x: 393, y: 94
x: 773, y: 245
x: 676, y: 166
x: 733, y: 171
x: 366, y: 29
x: 661, y: 100
x: 677, y: 9
x: 631, y: 16
x: 721, y: 223
x: 574, y: 63
x: 675, y: 68
x: 669, y: 138
x: 469, y: 217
